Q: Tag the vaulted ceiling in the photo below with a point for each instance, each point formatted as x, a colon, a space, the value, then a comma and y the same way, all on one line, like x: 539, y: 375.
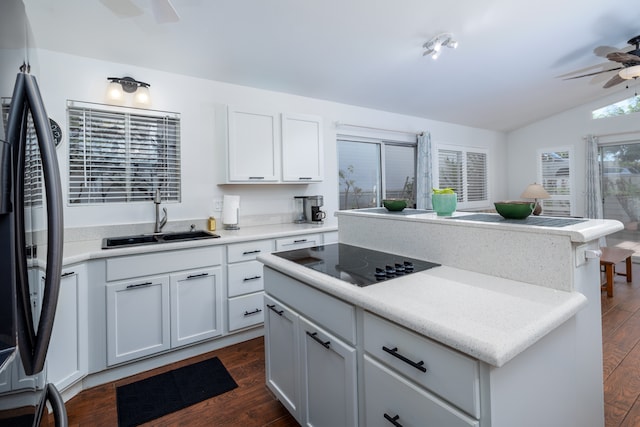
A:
x: 506, y: 72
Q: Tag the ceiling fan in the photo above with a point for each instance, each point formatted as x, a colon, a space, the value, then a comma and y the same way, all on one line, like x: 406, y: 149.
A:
x: 163, y: 11
x: 629, y: 61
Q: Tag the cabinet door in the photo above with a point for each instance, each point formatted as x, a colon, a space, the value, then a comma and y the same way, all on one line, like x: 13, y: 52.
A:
x: 389, y: 398
x: 67, y: 356
x: 196, y: 299
x: 282, y: 354
x: 253, y: 146
x: 302, y: 148
x: 329, y: 384
x: 137, y: 318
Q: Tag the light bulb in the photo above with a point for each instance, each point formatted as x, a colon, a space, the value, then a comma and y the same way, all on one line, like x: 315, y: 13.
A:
x: 142, y: 97
x: 114, y: 92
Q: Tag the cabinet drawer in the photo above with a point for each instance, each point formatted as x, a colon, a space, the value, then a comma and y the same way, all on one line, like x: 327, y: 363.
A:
x: 447, y: 373
x: 248, y: 251
x: 332, y: 313
x: 163, y: 262
x: 245, y: 311
x: 298, y: 242
x: 244, y: 278
x: 389, y: 395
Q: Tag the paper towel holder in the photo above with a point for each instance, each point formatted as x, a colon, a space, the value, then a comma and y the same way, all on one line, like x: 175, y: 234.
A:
x: 230, y: 212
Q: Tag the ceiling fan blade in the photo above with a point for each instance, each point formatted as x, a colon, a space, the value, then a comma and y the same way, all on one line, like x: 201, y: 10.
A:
x: 623, y: 57
x: 593, y: 74
x: 164, y: 11
x: 613, y: 81
x: 122, y: 8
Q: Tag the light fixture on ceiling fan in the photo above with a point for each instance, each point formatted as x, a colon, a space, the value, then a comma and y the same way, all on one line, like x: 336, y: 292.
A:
x: 630, y: 72
x: 435, y: 45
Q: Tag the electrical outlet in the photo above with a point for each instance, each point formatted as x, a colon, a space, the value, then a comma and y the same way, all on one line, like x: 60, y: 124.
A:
x: 581, y: 257
x: 217, y: 205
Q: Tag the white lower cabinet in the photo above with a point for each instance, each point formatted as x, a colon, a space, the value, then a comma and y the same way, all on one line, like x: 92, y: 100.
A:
x: 67, y: 355
x: 138, y: 322
x: 328, y: 377
x: 311, y: 370
x: 195, y: 311
x: 392, y: 400
x: 282, y: 354
x: 246, y: 311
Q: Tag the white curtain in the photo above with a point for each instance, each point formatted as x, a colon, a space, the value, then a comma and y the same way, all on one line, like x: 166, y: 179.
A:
x: 593, y: 192
x: 424, y: 177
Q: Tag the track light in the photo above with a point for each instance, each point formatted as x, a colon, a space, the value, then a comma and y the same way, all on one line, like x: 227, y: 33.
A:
x: 118, y: 86
x: 434, y: 46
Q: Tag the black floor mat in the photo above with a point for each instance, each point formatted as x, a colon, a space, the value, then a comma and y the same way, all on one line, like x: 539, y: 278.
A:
x: 171, y: 391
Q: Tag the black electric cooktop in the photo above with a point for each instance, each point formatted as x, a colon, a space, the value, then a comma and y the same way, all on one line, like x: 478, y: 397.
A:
x: 355, y: 265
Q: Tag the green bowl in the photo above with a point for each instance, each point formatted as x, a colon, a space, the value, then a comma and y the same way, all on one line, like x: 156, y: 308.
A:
x: 514, y: 209
x: 394, y: 205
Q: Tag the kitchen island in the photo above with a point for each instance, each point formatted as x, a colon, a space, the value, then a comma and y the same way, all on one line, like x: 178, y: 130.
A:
x: 516, y: 304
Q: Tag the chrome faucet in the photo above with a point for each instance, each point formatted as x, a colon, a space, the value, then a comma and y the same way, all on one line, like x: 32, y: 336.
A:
x: 159, y: 222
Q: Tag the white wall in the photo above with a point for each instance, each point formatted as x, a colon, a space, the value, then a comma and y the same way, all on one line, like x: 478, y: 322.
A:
x: 64, y: 77
x: 566, y: 129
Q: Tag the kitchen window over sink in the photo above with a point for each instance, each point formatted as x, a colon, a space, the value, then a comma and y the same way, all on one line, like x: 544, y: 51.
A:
x: 122, y: 155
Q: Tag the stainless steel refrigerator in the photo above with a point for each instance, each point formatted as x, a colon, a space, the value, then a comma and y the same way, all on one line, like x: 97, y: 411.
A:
x: 31, y: 230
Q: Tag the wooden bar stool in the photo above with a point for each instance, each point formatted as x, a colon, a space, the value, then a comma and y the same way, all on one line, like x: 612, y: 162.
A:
x: 610, y: 257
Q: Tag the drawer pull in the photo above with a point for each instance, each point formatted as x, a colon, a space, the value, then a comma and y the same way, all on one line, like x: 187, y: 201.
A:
x: 273, y: 308
x: 251, y: 313
x: 68, y: 273
x: 139, y: 285
x: 394, y: 352
x: 193, y: 276
x: 257, y: 251
x: 300, y: 241
x: 256, y: 177
x: 247, y: 279
x: 393, y: 420
x: 325, y: 344
x: 305, y: 177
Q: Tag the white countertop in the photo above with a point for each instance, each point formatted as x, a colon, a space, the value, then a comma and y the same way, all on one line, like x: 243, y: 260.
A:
x: 489, y: 318
x: 80, y: 251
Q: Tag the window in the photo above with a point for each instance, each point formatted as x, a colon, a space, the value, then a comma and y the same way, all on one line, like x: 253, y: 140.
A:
x: 121, y: 155
x: 621, y: 108
x: 465, y: 171
x: 370, y: 171
x: 555, y: 173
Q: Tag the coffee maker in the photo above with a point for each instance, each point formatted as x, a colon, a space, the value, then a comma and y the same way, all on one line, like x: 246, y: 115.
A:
x: 312, y: 211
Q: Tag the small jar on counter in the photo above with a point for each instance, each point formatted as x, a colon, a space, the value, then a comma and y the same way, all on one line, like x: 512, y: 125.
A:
x: 211, y: 224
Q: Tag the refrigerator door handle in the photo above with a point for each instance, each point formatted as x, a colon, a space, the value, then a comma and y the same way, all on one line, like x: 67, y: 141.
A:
x: 55, y: 224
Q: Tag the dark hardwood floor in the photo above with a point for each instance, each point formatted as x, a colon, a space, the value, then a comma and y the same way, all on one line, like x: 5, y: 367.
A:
x: 251, y: 404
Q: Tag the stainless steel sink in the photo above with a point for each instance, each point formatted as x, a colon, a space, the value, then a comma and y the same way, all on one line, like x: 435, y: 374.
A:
x: 152, y: 239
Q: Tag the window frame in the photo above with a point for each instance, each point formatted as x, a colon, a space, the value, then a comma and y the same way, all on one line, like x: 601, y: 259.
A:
x: 463, y: 202
x: 133, y: 153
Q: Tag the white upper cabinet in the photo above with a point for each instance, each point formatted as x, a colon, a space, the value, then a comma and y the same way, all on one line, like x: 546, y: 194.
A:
x: 270, y: 147
x: 302, y: 153
x: 253, y: 146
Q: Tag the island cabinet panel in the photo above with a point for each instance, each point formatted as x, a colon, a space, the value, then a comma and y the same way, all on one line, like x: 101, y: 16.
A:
x: 282, y: 354
x: 443, y: 371
x: 332, y: 313
x: 390, y: 398
x: 329, y: 381
x: 138, y: 322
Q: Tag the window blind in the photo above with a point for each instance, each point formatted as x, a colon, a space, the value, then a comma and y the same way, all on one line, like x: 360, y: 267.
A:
x: 122, y: 155
x: 555, y: 171
x: 466, y: 172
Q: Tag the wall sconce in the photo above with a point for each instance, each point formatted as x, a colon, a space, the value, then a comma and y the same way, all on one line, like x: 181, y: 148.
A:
x: 435, y: 45
x: 535, y: 191
x: 118, y: 86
